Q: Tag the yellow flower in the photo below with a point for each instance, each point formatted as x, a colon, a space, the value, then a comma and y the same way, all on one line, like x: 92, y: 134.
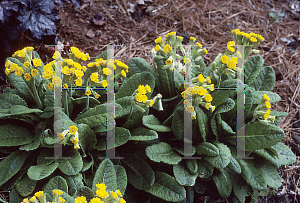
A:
x: 73, y: 129
x: 199, y: 45
x: 123, y: 73
x: 65, y: 70
x: 27, y: 76
x: 201, y: 78
x: 13, y: 67
x: 158, y: 40
x: 156, y: 48
x: 50, y: 86
x: 104, y: 83
x: 236, y: 30
x: 19, y: 71
x: 26, y: 64
x: 114, y: 195
x: 231, y: 49
x: 148, y: 88
x: 231, y: 65
x: 202, y: 92
x: 76, y: 146
x: 34, y: 72
x: 72, y: 70
x: 208, y: 98
x: 32, y: 199
x: 106, y: 71
x: 56, y: 81
x: 122, y: 201
x: 252, y: 39
x: 234, y: 59
x: 97, y: 96
x: 81, y: 199
x: 224, y: 59
x: 28, y: 49
x: 239, y: 54
x: 25, y: 200
x: 7, y: 71
x: 205, y: 50
x: 266, y: 97
x: 75, y: 141
x: 207, y: 105
x: 167, y: 48
x: 101, y: 193
x: 208, y: 80
x: 22, y: 53
x: 101, y: 186
x: 119, y: 192
x: 78, y: 73
x: 37, y: 62
x: 56, y: 55
x: 88, y: 92
x: 142, y: 89
x: 39, y: 194
x: 213, y: 108
x: 168, y: 62
x: 268, y: 104
x: 186, y: 61
x: 61, y: 136
x: 261, y: 38
x: 193, y: 38
x: 65, y: 85
x: 189, y: 109
x: 141, y: 98
x: 58, y: 192
x: 60, y: 199
x: 47, y: 74
x: 84, y: 68
x: 94, y: 77
x: 7, y: 63
x: 267, y: 114
x: 96, y: 200
x: 78, y: 82
x: 70, y: 62
x: 170, y: 34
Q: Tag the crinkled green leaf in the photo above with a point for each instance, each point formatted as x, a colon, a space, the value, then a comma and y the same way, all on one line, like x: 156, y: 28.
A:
x: 223, y: 183
x: 143, y: 134
x: 285, y: 154
x: 207, y: 148
x: 223, y: 159
x: 183, y: 176
x: 178, y: 123
x: 192, y: 166
x: 40, y: 172
x: 234, y: 166
x: 202, y: 122
x: 128, y: 87
x: 122, y: 136
x: 226, y: 106
x: 271, y: 175
x: 240, y: 188
x: 73, y: 165
x: 75, y: 182
x: 265, y: 80
x: 121, y: 178
x: 8, y: 100
x: 55, y: 183
x: 25, y: 186
x: 258, y: 95
x: 162, y: 152
x: 106, y: 174
x: 49, y: 98
x: 252, y: 175
x: 165, y: 77
x: 11, y: 164
x: 153, y: 123
x: 205, y: 169
x: 135, y: 120
x: 86, y: 192
x: 13, y: 135
x: 167, y: 188
x: 252, y: 68
x: 87, y: 138
x: 139, y: 173
x: 14, y: 197
x: 125, y: 102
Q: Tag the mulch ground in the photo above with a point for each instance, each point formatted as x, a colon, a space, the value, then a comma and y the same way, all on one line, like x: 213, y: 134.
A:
x: 134, y: 25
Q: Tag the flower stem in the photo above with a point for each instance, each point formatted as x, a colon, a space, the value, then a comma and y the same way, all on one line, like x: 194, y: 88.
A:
x: 36, y: 96
x: 65, y: 101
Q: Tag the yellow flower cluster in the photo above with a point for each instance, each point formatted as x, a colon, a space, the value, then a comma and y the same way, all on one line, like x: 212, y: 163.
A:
x: 13, y: 67
x: 263, y: 110
x: 71, y: 134
x: 247, y: 38
x: 41, y: 197
x: 230, y: 46
x: 22, y: 53
x: 103, y: 196
x: 141, y: 95
x: 79, y: 55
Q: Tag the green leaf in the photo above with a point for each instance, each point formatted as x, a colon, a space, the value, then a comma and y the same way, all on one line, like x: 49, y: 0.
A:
x: 207, y: 148
x: 121, y: 178
x: 271, y: 175
x: 63, y: 124
x: 139, y: 173
x: 259, y: 136
x: 143, y: 134
x: 223, y: 159
x: 135, y: 120
x: 202, y: 122
x: 167, y: 188
x: 138, y: 65
x: 68, y: 198
x: 87, y: 138
x: 180, y: 149
x: 234, y: 166
x: 183, y: 176
x: 192, y: 166
x: 122, y: 135
x: 83, y: 100
x: 49, y: 98
x: 74, y: 182
x: 153, y: 123
x: 55, y: 183
x: 165, y: 77
x: 9, y: 185
x: 258, y: 95
x: 25, y: 186
x: 265, y: 80
x: 128, y: 87
x: 34, y: 145
x: 219, y: 96
x: 226, y: 106
x: 240, y: 188
x: 13, y: 135
x: 178, y: 80
x: 14, y: 197
x: 125, y: 102
x: 86, y: 192
x: 252, y: 175
x: 285, y: 154
x: 8, y: 100
x: 11, y: 164
x: 200, y: 69
x: 45, y: 152
x: 248, y: 103
x: 162, y: 152
x: 178, y: 123
x: 96, y: 115
x: 40, y: 172
x: 223, y: 183
x: 73, y: 165
x: 252, y: 68
x: 21, y: 110
x: 106, y: 174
